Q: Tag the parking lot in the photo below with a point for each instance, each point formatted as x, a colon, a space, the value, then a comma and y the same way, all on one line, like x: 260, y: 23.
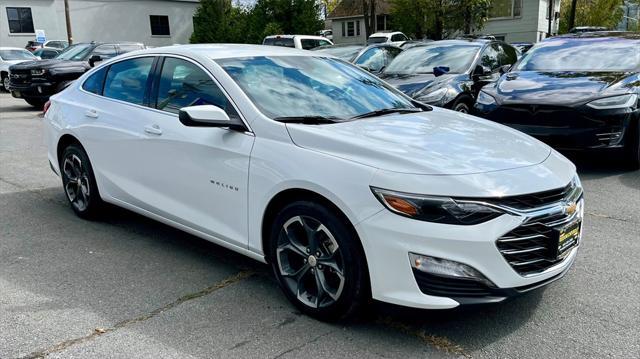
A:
x: 131, y: 287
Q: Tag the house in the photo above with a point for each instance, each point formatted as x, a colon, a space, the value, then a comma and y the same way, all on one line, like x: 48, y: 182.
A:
x: 630, y: 18
x: 152, y: 22
x: 522, y: 20
x: 347, y: 21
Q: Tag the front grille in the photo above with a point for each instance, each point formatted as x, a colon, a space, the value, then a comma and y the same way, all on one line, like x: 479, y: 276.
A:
x: 539, y: 115
x: 20, y: 77
x: 535, y: 200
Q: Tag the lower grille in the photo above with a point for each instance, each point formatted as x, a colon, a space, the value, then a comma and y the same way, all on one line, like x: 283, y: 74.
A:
x: 532, y: 247
x: 450, y: 287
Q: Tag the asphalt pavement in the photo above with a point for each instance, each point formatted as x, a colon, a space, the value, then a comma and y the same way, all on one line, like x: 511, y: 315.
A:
x: 127, y: 286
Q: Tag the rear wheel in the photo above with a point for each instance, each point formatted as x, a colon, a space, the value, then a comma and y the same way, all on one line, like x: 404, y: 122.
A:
x: 79, y: 182
x: 317, y: 260
x: 36, y: 102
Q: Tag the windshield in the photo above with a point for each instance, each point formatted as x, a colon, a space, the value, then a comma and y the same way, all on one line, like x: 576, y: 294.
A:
x: 305, y: 86
x: 75, y: 52
x: 422, y: 59
x: 376, y: 39
x: 346, y: 53
x: 11, y: 55
x: 595, y: 54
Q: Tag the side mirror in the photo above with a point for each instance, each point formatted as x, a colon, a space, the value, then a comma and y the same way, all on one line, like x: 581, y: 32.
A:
x: 481, y: 73
x: 505, y: 68
x: 208, y: 116
x: 93, y: 59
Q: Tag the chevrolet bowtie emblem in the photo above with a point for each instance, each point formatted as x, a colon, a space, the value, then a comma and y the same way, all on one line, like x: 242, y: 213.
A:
x: 570, y: 208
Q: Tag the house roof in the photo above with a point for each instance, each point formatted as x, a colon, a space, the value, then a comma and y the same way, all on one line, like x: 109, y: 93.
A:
x: 347, y: 8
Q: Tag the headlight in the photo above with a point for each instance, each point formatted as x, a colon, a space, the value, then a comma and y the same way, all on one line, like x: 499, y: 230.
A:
x: 606, y: 103
x: 485, y: 99
x: 435, y: 209
x: 431, y: 97
x: 38, y: 72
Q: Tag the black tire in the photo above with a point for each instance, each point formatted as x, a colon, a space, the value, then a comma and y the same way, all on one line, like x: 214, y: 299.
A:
x: 632, y: 148
x: 36, y: 102
x: 461, y: 104
x: 4, y: 78
x: 79, y: 182
x: 340, y: 298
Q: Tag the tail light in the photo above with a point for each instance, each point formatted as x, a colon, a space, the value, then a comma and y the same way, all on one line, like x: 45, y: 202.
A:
x: 46, y: 107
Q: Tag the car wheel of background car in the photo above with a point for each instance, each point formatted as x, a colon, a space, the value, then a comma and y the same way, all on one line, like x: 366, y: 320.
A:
x: 462, y: 105
x: 633, y: 147
x: 36, y: 102
x: 5, y: 81
x: 318, y: 262
x: 79, y: 182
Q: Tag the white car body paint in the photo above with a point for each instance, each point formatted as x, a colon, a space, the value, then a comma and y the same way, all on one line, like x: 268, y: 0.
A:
x: 216, y: 183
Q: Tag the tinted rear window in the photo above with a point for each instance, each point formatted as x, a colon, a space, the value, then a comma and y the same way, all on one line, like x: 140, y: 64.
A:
x: 286, y: 42
x: 95, y: 82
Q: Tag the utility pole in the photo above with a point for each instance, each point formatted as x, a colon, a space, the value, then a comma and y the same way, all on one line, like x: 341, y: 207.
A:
x: 68, y: 20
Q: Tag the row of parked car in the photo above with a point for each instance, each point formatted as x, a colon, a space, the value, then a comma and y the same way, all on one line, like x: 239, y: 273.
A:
x: 575, y: 92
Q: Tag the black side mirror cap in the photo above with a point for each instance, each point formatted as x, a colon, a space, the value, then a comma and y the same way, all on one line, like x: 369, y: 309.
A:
x: 209, y: 116
x: 93, y: 59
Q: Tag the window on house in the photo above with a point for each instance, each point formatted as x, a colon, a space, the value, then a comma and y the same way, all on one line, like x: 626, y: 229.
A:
x: 351, y: 28
x: 20, y: 20
x: 358, y: 27
x: 344, y: 33
x: 159, y: 25
x: 505, y: 8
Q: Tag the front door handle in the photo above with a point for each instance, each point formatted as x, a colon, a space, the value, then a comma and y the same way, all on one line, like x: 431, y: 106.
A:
x: 153, y: 130
x: 91, y: 113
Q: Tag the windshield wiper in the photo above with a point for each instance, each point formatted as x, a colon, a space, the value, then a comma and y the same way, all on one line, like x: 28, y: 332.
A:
x: 386, y: 111
x: 309, y: 120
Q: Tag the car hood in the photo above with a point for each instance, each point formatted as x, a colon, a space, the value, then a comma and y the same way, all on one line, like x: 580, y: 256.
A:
x: 50, y: 64
x: 412, y: 85
x: 437, y: 142
x: 560, y: 87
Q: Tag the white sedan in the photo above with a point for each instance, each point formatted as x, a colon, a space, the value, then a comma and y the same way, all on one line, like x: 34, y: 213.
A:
x: 345, y: 186
x: 11, y: 56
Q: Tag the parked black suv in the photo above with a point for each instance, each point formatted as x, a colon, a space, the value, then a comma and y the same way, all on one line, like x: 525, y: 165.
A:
x: 574, y: 92
x: 449, y: 73
x: 35, y: 81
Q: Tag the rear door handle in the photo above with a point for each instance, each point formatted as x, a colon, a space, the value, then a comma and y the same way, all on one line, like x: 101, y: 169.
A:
x: 153, y: 130
x: 92, y: 113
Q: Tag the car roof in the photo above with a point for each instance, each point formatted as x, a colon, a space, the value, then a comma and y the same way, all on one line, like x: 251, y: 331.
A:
x: 385, y: 34
x: 12, y: 48
x: 478, y: 42
x: 316, y: 37
x: 598, y: 35
x: 223, y: 51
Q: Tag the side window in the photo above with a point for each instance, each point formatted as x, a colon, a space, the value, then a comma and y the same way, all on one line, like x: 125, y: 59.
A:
x: 508, y: 55
x: 105, y: 51
x: 324, y: 43
x: 183, y: 84
x: 490, y: 58
x: 398, y: 37
x: 128, y: 80
x: 309, y: 44
x: 372, y: 59
x: 392, y: 52
x: 94, y: 82
x: 49, y: 54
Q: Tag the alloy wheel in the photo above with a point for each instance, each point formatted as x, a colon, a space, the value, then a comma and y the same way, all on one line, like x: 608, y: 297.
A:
x: 5, y: 83
x: 309, y: 262
x: 77, y: 182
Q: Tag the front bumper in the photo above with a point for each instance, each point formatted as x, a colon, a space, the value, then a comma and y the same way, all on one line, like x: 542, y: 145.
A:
x: 40, y: 90
x: 565, y: 128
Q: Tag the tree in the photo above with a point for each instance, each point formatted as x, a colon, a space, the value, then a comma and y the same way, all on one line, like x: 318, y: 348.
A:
x: 219, y: 21
x: 607, y: 13
x: 438, y: 18
x: 369, y: 12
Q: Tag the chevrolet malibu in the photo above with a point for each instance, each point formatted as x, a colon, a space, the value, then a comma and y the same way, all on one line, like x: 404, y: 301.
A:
x: 344, y: 185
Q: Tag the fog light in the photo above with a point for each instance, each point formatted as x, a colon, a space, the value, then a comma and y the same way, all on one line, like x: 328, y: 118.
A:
x: 39, y: 89
x: 610, y: 138
x: 446, y: 268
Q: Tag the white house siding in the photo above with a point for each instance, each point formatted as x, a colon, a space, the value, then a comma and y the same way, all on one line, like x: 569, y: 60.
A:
x: 336, y: 26
x: 103, y: 20
x: 522, y: 28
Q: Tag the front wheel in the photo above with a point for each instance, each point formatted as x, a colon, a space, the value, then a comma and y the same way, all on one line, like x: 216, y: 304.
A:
x: 79, y: 182
x: 318, y: 262
x: 461, y: 105
x: 36, y: 102
x: 5, y: 82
